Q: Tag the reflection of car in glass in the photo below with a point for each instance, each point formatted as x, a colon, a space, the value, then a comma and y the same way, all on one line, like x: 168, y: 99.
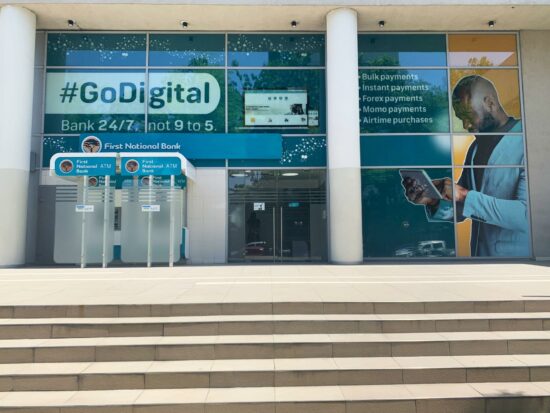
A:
x: 257, y: 248
x: 405, y: 251
x: 433, y: 248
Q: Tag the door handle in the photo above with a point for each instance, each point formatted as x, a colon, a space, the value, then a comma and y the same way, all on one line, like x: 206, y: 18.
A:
x: 281, y: 234
x: 274, y: 252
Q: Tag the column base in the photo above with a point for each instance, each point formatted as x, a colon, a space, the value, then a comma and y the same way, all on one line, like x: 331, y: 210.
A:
x: 14, y: 187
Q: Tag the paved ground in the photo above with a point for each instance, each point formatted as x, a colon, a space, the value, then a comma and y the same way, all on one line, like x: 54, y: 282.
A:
x: 318, y: 283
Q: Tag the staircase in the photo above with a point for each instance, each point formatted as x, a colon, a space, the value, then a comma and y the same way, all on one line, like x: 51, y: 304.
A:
x: 417, y: 357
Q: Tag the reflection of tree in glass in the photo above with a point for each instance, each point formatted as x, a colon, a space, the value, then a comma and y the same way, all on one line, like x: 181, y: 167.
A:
x: 482, y: 61
x: 383, y: 60
x: 199, y: 61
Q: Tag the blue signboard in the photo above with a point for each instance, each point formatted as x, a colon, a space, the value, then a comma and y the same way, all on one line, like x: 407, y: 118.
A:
x: 85, y: 166
x: 150, y: 165
x: 190, y: 145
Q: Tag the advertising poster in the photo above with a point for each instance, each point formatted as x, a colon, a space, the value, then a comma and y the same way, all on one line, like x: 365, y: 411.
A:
x: 501, y: 85
x: 393, y: 101
x: 475, y: 204
x: 184, y: 101
x: 275, y: 108
x: 94, y: 101
x: 290, y: 101
x: 403, y: 229
x: 115, y: 101
x: 491, y: 194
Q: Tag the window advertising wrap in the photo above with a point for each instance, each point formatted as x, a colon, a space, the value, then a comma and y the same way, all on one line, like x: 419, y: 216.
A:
x: 186, y: 50
x: 396, y: 227
x: 395, y: 101
x: 262, y: 50
x: 462, y: 194
x: 186, y: 101
x: 305, y: 87
x: 117, y: 83
x: 95, y: 101
x: 115, y: 101
x: 407, y: 50
x: 95, y: 49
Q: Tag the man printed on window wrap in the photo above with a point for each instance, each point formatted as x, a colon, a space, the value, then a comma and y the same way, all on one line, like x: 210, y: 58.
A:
x: 494, y: 198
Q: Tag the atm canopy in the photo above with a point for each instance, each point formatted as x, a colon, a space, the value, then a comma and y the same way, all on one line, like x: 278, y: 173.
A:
x: 131, y: 163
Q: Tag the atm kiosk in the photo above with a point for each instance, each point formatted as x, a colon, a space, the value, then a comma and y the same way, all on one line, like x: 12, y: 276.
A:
x: 149, y: 191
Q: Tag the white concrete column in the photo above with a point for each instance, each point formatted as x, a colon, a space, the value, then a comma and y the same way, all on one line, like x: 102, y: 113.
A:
x: 344, y: 162
x: 17, y: 37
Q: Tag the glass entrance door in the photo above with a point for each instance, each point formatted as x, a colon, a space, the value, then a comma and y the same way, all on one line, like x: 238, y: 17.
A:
x: 277, y: 216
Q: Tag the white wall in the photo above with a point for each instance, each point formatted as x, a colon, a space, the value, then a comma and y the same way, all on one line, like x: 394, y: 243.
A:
x: 535, y: 56
x: 207, y: 216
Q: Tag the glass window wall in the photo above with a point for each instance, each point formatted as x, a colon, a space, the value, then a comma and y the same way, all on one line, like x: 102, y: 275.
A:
x: 442, y: 150
x: 187, y: 83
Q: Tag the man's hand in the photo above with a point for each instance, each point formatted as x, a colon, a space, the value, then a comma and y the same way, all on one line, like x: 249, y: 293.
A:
x: 445, y: 188
x: 416, y: 193
x: 460, y: 193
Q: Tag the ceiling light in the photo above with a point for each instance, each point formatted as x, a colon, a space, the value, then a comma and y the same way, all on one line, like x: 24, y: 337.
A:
x: 381, y: 24
x: 238, y: 175
x: 290, y: 174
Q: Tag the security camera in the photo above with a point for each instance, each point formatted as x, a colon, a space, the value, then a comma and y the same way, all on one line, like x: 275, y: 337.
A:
x: 184, y: 24
x: 71, y: 23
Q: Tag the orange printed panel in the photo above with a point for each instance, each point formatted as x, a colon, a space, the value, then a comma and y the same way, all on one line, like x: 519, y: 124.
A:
x: 463, y: 235
x: 504, y: 81
x: 477, y: 50
x: 463, y: 229
x: 461, y: 144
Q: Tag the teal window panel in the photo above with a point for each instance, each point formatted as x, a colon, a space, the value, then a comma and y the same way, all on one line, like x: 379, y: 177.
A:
x: 259, y: 50
x: 406, y: 50
x: 91, y: 49
x: 393, y: 150
x: 186, y: 50
x: 402, y: 230
x: 208, y: 163
x: 56, y: 144
x: 311, y: 80
x: 297, y: 152
x: 403, y: 101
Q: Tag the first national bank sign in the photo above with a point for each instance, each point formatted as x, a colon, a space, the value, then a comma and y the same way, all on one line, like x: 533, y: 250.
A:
x: 89, y: 93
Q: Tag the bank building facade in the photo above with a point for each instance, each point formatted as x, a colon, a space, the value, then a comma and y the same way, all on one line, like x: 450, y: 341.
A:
x: 211, y: 132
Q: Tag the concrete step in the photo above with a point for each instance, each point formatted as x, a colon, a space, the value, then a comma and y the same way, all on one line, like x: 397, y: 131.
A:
x: 490, y: 397
x: 272, y: 372
x: 199, y: 309
x: 273, y: 346
x: 15, y: 328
